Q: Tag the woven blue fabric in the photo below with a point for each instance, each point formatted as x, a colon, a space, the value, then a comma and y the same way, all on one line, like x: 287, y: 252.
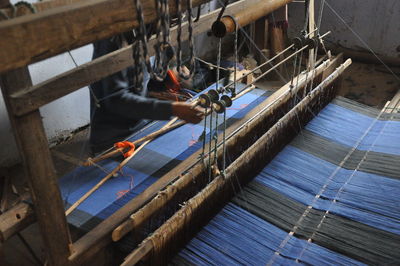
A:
x: 237, y: 237
x: 367, y: 198
x: 155, y: 160
x: 347, y: 127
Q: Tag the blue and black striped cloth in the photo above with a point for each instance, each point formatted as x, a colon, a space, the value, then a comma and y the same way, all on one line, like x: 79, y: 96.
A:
x: 330, y: 197
x: 152, y: 162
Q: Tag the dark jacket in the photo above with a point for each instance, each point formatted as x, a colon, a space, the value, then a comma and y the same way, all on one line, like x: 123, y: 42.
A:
x: 121, y: 107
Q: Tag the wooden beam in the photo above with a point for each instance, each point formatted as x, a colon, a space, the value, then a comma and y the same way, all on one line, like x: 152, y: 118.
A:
x: 246, y: 16
x: 36, y: 96
x: 15, y: 220
x: 33, y: 147
x: 39, y: 7
x: 64, y: 28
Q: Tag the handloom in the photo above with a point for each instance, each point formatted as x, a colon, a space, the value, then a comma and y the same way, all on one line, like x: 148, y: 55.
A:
x: 176, y: 184
x: 323, y: 199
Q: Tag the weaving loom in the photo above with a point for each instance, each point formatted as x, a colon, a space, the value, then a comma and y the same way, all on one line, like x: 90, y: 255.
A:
x: 294, y: 176
x: 355, y: 218
x: 156, y: 160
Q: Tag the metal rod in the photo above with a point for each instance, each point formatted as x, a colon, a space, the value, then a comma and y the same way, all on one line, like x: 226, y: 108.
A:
x: 269, y: 61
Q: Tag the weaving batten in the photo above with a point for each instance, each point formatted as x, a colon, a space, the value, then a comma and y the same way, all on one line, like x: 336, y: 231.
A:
x: 269, y: 114
x: 189, y: 215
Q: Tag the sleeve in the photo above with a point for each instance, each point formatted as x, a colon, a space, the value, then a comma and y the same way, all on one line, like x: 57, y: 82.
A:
x: 123, y: 102
x: 115, y: 96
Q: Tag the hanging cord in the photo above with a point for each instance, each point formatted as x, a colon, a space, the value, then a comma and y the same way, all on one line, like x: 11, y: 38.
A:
x: 235, y: 48
x: 204, y: 135
x: 96, y: 100
x: 215, y: 138
x: 163, y: 49
x: 191, y: 60
x: 15, y: 7
x: 233, y: 92
x: 221, y: 12
x: 321, y: 10
x: 198, y: 14
x: 210, y: 144
x: 140, y: 51
x: 214, y: 135
x: 224, y: 145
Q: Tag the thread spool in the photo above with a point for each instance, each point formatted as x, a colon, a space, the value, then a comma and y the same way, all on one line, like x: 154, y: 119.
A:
x: 312, y: 43
x: 221, y: 105
x: 299, y: 42
x: 206, y: 99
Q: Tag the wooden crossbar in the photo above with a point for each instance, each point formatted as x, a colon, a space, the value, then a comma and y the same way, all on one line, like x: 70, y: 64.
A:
x: 64, y: 28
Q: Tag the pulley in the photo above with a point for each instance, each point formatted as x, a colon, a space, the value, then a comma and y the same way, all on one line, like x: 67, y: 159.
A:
x: 206, y: 99
x: 299, y: 42
x: 312, y: 43
x: 221, y: 105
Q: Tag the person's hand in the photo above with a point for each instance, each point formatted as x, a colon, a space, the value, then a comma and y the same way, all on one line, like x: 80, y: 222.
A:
x: 188, y: 112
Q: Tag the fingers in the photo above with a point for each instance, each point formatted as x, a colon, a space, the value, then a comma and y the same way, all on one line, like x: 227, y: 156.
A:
x: 195, y: 115
x: 188, y: 112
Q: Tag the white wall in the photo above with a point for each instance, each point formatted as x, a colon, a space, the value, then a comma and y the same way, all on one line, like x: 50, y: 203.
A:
x: 59, y: 117
x: 377, y: 22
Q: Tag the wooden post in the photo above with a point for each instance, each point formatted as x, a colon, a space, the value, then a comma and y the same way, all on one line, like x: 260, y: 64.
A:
x: 33, y: 147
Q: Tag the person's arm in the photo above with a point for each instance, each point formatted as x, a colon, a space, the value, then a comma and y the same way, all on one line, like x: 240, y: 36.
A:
x: 117, y: 98
x: 127, y: 104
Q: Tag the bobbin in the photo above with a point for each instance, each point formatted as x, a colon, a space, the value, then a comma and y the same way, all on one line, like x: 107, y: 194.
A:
x: 299, y: 42
x: 206, y: 99
x: 221, y: 105
x: 312, y: 43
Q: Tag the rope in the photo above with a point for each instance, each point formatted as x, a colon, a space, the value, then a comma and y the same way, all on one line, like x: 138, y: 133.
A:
x: 179, y: 66
x: 164, y: 51
x: 139, y: 50
x: 15, y: 7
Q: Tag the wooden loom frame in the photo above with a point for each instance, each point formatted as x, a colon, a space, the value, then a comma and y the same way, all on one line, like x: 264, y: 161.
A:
x: 77, y: 23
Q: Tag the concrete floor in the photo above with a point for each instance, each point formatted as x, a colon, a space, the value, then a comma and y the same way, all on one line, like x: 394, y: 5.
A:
x: 369, y: 84
x: 365, y: 83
